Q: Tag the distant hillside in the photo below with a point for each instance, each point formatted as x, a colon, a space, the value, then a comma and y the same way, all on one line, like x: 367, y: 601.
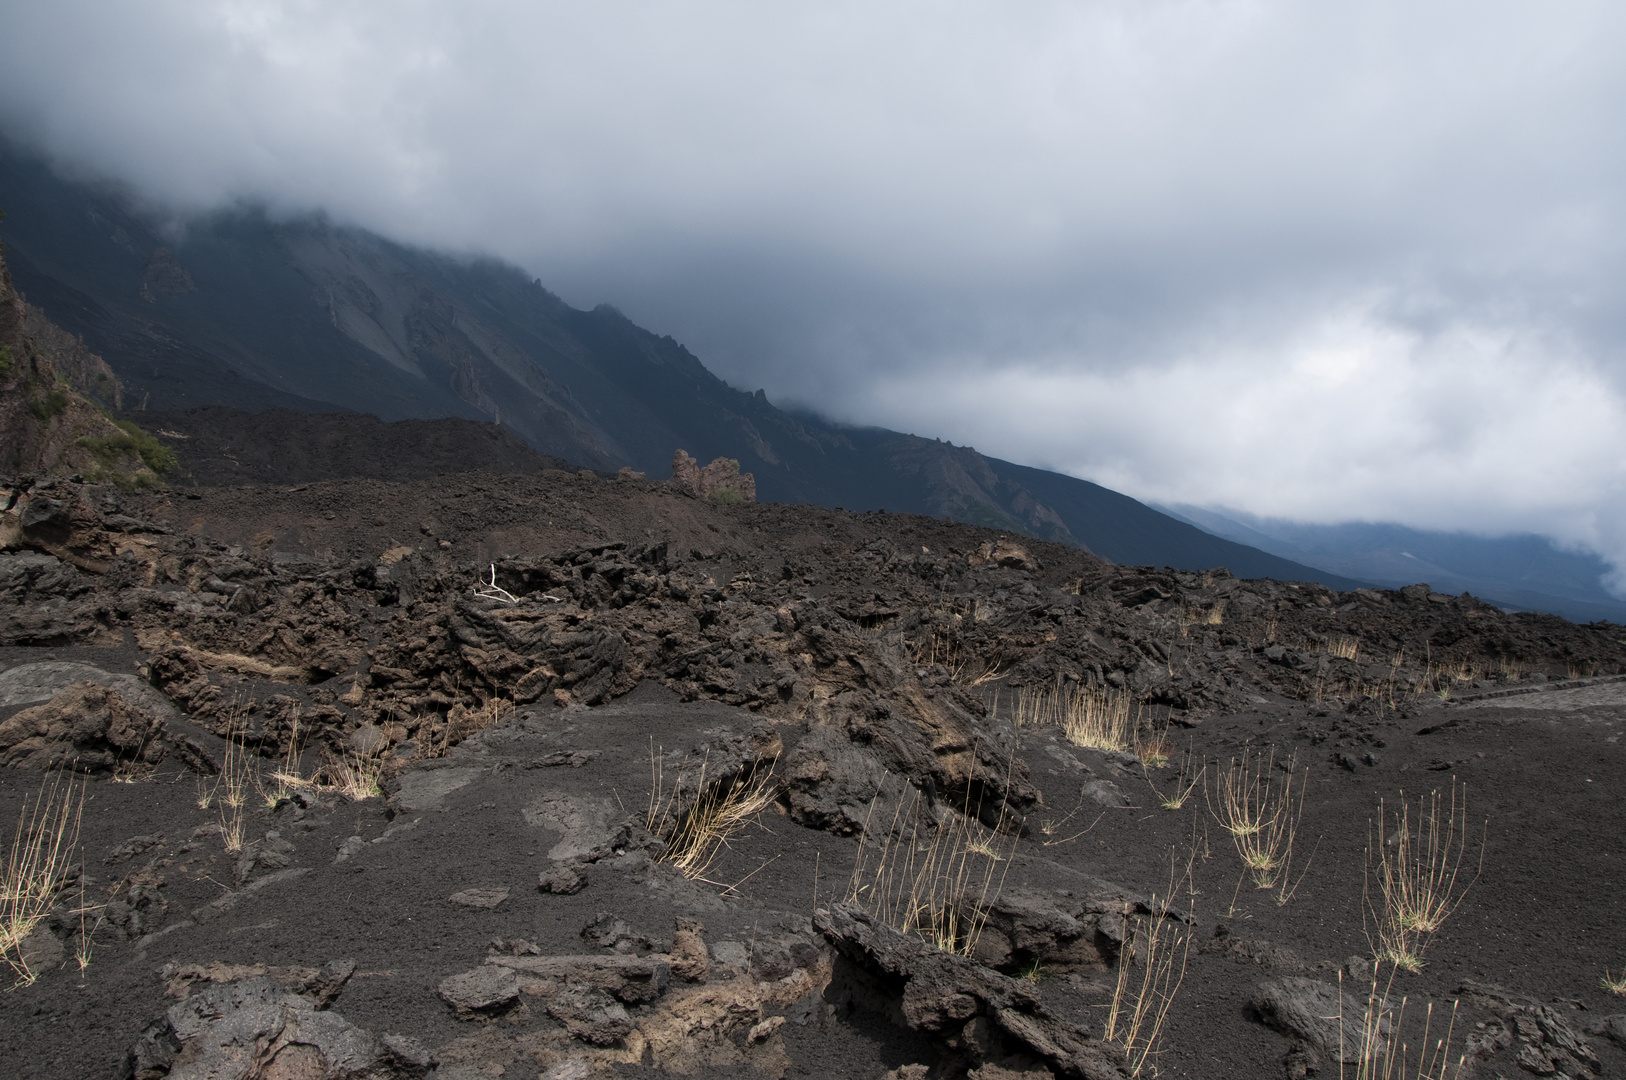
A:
x: 217, y: 445
x: 238, y: 310
x: 1523, y: 572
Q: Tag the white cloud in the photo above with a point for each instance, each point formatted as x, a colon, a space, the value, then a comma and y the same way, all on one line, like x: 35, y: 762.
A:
x: 1319, y: 261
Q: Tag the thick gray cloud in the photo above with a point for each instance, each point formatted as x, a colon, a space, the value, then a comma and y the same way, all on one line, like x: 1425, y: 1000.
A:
x: 1321, y: 261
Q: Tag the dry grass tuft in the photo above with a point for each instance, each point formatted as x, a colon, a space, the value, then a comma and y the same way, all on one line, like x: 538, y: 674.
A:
x: 1158, y: 948
x: 1614, y: 984
x: 1419, y: 875
x: 964, y: 668
x: 355, y: 777
x: 932, y: 877
x: 1192, y: 771
x: 1097, y: 719
x: 1254, y: 802
x: 1345, y: 648
x: 40, y: 857
x: 696, y: 837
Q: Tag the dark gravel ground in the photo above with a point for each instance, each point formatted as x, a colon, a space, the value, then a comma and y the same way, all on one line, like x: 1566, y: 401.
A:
x: 1542, y: 770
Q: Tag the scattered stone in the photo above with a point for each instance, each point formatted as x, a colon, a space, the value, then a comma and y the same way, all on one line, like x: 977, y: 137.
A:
x: 1612, y: 1028
x: 632, y: 979
x: 1104, y: 793
x: 204, y: 1037
x: 479, y: 990
x: 942, y: 992
x: 407, y: 1054
x: 562, y: 879
x: 86, y: 727
x: 349, y: 849
x: 689, y: 958
x: 479, y: 898
x: 133, y: 847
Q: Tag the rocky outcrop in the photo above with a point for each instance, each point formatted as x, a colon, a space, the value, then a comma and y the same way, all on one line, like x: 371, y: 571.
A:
x: 981, y: 1014
x: 721, y: 481
x: 86, y: 727
x: 253, y: 1029
x: 50, y: 420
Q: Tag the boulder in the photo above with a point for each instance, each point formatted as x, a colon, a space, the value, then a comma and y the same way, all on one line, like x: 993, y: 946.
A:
x: 86, y: 727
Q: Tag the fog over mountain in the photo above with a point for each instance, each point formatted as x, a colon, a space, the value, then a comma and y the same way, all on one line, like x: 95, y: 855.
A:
x: 1327, y: 263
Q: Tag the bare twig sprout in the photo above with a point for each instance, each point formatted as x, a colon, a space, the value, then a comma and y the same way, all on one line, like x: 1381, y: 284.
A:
x: 1157, y: 948
x: 1381, y: 1051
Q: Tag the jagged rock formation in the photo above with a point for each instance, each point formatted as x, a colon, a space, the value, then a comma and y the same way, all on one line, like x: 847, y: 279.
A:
x: 721, y: 481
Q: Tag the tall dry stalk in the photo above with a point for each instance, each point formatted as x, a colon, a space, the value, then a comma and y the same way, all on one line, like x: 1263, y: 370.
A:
x: 1158, y: 950
x: 1380, y: 1047
x: 41, y: 854
x: 1100, y: 719
x: 936, y: 879
x: 695, y: 838
x: 1418, y: 874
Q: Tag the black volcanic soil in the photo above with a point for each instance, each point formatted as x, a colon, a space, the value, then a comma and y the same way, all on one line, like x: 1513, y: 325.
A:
x: 841, y: 648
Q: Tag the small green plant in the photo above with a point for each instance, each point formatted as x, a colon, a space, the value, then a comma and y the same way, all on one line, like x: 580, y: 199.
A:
x: 131, y: 440
x: 46, y: 408
x: 1615, y: 984
x: 727, y: 497
x: 5, y: 361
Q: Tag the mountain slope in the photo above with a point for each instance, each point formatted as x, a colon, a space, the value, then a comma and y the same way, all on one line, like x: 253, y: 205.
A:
x: 1525, y: 572
x: 240, y: 310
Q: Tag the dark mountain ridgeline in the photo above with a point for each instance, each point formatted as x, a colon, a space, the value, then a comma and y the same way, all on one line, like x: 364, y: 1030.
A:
x: 1523, y: 571
x: 239, y: 310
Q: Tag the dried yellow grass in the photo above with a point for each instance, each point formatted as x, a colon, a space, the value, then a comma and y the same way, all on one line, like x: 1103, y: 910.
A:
x: 1100, y: 719
x: 1141, y: 1002
x: 1380, y: 1047
x: 1254, y: 802
x: 933, y: 877
x: 41, y: 853
x: 696, y: 837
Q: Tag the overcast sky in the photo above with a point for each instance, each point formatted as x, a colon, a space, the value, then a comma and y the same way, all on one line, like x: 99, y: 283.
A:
x: 1327, y: 261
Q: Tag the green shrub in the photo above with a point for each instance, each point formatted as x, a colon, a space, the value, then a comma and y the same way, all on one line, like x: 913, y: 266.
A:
x: 133, y: 440
x: 727, y: 497
x: 47, y: 407
x: 5, y: 362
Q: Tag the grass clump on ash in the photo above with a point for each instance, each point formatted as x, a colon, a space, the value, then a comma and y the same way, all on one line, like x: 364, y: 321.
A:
x: 934, y: 874
x: 696, y: 837
x: 1417, y: 869
x: 1255, y: 803
x: 1098, y: 719
x: 1151, y: 967
x: 37, y: 865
